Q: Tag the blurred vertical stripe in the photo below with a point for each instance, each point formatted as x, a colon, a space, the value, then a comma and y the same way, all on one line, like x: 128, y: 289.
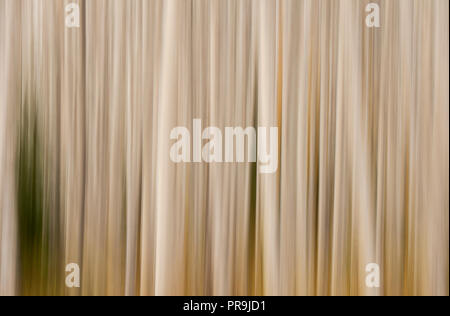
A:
x: 363, y: 172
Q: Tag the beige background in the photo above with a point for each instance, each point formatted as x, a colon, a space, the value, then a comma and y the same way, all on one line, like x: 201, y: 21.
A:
x: 363, y: 175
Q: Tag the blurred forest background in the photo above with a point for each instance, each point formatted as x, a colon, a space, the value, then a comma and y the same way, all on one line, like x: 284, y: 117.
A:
x: 363, y: 175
